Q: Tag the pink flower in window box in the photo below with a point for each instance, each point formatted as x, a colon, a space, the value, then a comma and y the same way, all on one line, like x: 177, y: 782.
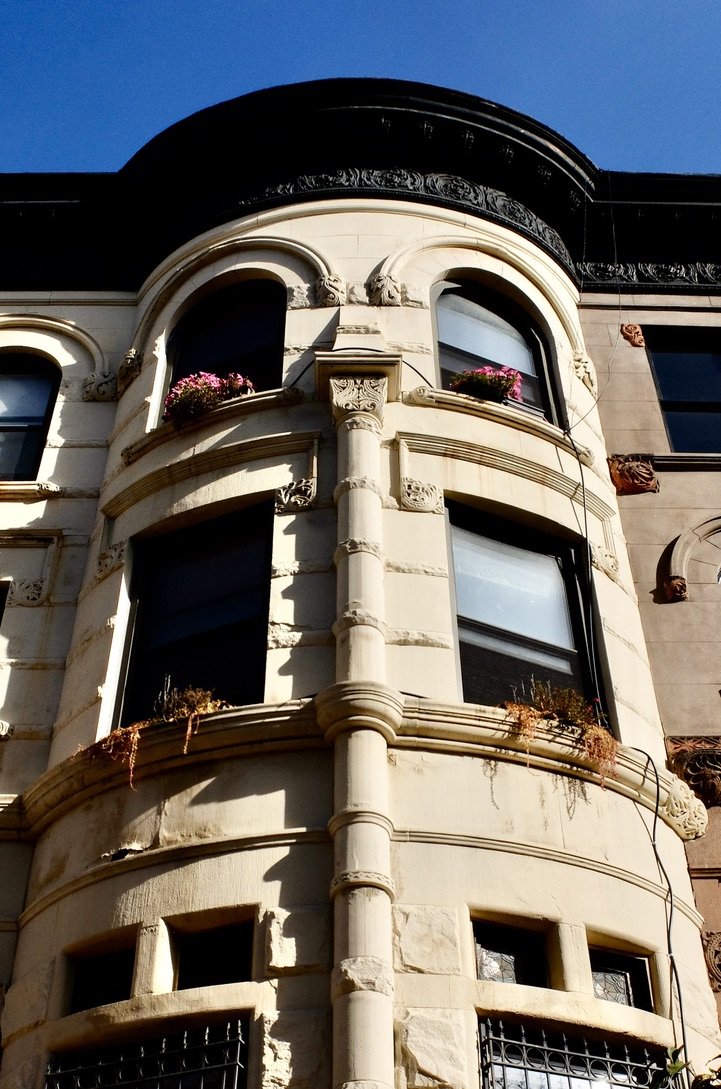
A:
x: 489, y: 383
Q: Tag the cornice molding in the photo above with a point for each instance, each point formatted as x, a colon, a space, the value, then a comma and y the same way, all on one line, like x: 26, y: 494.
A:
x: 693, y: 274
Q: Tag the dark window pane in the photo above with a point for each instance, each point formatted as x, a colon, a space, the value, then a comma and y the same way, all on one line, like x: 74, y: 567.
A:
x: 101, y: 978
x: 202, y: 604
x: 694, y: 432
x: 621, y: 978
x: 509, y: 954
x: 687, y: 365
x: 211, y: 957
x: 239, y: 328
x: 688, y: 376
x: 28, y: 387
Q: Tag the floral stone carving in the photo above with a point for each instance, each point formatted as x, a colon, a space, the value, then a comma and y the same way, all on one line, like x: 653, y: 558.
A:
x: 100, y: 387
x: 384, y: 291
x: 298, y: 495
x: 111, y: 558
x: 697, y: 760
x: 358, y: 395
x: 129, y: 369
x: 634, y: 335
x: 633, y: 473
x: 418, y: 496
x: 329, y: 291
x: 684, y: 811
x: 27, y: 592
x: 583, y: 369
x: 675, y: 588
x: 712, y: 949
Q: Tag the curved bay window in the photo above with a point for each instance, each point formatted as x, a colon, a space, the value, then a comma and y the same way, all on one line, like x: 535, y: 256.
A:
x: 478, y: 328
x: 28, y: 388
x: 239, y: 329
x: 200, y: 611
x: 518, y: 600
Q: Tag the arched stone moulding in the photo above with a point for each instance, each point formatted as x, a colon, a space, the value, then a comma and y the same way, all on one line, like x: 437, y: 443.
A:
x: 676, y: 583
x: 57, y: 339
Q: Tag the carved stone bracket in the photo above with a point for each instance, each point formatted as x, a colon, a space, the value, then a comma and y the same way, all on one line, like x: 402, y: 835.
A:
x: 583, y: 369
x: 329, y: 291
x: 633, y: 474
x: 634, y: 335
x: 418, y: 496
x: 675, y: 588
x: 684, y: 811
x: 298, y: 495
x: 129, y: 369
x: 110, y: 559
x: 384, y: 291
x: 28, y: 592
x: 605, y: 561
x: 358, y: 395
x: 712, y: 950
x: 100, y: 387
x: 697, y: 760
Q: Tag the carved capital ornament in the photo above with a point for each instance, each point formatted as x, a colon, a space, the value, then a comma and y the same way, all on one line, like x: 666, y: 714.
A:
x: 350, y: 395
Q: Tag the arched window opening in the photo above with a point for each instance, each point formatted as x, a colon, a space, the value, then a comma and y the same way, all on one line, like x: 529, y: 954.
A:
x: 477, y: 328
x: 519, y: 604
x: 238, y: 329
x: 28, y: 388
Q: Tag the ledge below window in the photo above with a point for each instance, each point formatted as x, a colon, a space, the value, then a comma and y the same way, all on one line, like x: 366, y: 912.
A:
x: 28, y: 491
x: 687, y: 463
x: 515, y: 416
x: 238, y: 406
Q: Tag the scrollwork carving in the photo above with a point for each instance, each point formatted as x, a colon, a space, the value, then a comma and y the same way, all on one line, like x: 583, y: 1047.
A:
x: 634, y: 335
x: 130, y: 366
x: 330, y: 291
x: 675, y: 588
x: 28, y: 592
x: 688, y: 274
x: 416, y: 495
x: 110, y: 559
x: 712, y: 951
x: 298, y: 495
x: 384, y: 291
x: 633, y: 474
x: 358, y: 395
x: 100, y: 387
x: 684, y: 811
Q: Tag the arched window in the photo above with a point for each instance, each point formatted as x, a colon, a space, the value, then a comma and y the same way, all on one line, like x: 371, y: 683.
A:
x: 28, y: 388
x: 519, y: 603
x: 239, y: 328
x: 478, y: 328
x: 200, y: 611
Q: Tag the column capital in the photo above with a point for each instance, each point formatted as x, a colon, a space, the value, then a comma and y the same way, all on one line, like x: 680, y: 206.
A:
x: 353, y: 393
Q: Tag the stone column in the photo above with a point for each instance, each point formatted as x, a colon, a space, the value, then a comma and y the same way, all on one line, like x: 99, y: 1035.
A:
x: 360, y: 714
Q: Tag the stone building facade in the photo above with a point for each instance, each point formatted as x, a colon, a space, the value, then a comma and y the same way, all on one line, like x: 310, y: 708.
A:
x: 359, y: 866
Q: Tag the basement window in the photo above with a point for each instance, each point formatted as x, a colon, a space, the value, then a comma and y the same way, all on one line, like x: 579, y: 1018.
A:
x: 199, y: 1056
x: 621, y: 978
x: 210, y: 958
x: 509, y: 954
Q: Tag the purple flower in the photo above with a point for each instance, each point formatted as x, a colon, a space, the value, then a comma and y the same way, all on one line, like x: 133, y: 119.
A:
x: 198, y: 393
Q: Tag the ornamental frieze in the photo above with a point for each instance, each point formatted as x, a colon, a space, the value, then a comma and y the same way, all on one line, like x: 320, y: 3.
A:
x: 689, y: 274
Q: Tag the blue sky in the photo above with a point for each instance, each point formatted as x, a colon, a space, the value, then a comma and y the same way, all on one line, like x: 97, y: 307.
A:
x: 635, y: 84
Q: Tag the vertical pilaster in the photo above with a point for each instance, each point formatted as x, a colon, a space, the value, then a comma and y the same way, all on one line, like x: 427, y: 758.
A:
x: 360, y: 714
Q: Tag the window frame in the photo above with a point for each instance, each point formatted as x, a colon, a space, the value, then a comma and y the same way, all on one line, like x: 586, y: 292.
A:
x: 662, y: 339
x: 635, y: 966
x: 146, y: 551
x: 552, y: 405
x: 38, y: 366
x: 201, y: 316
x: 527, y: 946
x: 573, y: 566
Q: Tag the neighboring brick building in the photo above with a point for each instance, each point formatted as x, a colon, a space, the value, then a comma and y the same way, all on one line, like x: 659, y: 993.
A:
x: 360, y: 869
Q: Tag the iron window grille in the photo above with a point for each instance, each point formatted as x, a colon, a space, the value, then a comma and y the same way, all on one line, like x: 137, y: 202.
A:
x: 211, y: 1057
x: 515, y: 1056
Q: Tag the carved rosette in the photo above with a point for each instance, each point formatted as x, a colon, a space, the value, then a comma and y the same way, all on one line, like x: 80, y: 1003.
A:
x: 100, y: 387
x: 298, y: 495
x: 675, y: 588
x: 358, y: 395
x: 329, y: 291
x: 129, y: 369
x: 684, y: 811
x: 110, y: 559
x: 27, y: 592
x: 583, y: 369
x: 634, y: 335
x: 633, y: 474
x: 416, y: 495
x: 712, y: 950
x: 384, y: 291
x: 697, y: 760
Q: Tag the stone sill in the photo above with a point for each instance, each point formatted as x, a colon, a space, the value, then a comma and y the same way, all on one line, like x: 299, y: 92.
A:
x: 238, y: 406
x: 28, y: 491
x: 508, y: 415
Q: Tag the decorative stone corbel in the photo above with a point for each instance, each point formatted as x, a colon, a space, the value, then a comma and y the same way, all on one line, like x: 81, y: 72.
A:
x: 697, y: 760
x: 384, y: 291
x: 416, y: 495
x: 129, y: 369
x: 605, y: 561
x: 633, y: 474
x: 366, y: 395
x: 583, y: 369
x: 298, y: 495
x: 110, y: 559
x: 100, y: 387
x: 712, y: 950
x: 684, y: 811
x: 330, y: 291
x: 675, y: 588
x: 28, y: 592
x: 634, y: 335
